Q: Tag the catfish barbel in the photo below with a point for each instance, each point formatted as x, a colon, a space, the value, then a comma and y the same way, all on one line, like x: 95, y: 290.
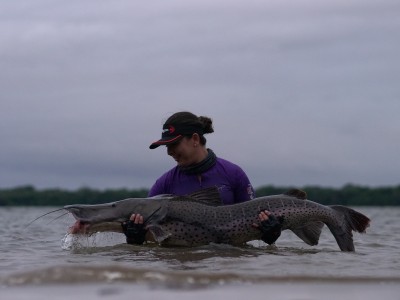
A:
x: 200, y: 218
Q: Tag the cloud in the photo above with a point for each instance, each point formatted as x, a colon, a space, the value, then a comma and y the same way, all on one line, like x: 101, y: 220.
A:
x: 300, y: 93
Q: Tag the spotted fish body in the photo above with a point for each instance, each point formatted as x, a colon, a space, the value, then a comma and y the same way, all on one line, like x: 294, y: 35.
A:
x: 185, y: 221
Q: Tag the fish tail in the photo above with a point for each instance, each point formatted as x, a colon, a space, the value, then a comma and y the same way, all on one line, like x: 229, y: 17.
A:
x: 352, y: 221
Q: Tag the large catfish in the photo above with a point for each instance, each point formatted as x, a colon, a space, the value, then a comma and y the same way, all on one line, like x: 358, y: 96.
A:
x: 200, y: 218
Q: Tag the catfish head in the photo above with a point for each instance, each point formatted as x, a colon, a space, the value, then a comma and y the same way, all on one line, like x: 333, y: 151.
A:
x: 109, y: 216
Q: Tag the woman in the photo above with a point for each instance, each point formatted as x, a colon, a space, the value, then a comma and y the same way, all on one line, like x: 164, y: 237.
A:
x: 197, y: 167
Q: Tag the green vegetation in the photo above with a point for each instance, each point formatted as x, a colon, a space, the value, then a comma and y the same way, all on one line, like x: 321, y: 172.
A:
x: 347, y: 195
x: 29, y: 196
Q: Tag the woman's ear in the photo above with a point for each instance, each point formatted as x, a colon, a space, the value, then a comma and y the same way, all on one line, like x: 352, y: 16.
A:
x: 196, y: 139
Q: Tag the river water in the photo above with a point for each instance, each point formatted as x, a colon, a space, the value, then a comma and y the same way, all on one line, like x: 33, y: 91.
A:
x: 42, y: 259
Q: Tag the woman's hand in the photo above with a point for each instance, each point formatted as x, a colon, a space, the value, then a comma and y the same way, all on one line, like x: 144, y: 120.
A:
x: 270, y: 226
x: 134, y: 230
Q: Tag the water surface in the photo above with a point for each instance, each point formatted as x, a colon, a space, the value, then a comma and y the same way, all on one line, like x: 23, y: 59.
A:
x: 43, y: 255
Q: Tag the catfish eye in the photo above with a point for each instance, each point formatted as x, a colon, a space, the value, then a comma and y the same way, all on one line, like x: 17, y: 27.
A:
x: 113, y: 205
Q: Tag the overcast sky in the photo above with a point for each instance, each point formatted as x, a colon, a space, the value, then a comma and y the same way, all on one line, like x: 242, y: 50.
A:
x: 303, y: 92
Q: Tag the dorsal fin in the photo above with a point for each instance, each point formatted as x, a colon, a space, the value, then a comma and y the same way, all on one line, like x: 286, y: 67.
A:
x: 299, y: 194
x: 208, y: 196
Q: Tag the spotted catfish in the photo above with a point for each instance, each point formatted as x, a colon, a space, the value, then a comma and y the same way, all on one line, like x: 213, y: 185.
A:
x: 200, y: 218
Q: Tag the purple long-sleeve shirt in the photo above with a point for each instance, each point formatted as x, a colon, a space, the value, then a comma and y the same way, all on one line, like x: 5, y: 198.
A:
x: 232, y: 182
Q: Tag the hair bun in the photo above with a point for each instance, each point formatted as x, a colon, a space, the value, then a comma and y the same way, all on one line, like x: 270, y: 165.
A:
x: 207, y: 124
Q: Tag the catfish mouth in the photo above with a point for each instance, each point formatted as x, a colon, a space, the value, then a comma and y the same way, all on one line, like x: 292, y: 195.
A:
x: 79, y: 227
x: 84, y: 227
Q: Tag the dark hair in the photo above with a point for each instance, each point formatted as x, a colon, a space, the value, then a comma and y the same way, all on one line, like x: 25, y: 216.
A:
x: 187, y: 118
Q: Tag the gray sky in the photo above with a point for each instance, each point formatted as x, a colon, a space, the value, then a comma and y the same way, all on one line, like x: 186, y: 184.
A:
x: 301, y: 92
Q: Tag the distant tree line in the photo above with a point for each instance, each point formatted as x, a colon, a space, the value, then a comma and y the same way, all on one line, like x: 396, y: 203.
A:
x: 347, y: 195
x: 29, y: 196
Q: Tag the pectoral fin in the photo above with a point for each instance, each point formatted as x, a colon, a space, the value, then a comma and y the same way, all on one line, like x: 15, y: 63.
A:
x: 159, y: 234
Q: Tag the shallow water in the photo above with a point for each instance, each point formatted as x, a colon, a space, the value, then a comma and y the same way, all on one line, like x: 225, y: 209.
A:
x: 42, y: 255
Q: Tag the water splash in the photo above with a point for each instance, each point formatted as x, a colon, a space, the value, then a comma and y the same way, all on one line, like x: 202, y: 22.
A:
x: 96, y: 240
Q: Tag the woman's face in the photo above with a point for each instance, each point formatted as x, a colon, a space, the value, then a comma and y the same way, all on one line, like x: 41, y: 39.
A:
x: 184, y: 152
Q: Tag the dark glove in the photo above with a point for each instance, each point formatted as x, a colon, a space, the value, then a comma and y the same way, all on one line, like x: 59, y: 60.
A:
x: 135, y: 233
x: 271, y: 229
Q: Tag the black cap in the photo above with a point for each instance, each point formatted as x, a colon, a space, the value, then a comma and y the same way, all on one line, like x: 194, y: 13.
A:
x: 173, y: 133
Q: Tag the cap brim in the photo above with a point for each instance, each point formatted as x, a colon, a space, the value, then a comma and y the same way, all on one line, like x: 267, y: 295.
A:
x: 166, y: 141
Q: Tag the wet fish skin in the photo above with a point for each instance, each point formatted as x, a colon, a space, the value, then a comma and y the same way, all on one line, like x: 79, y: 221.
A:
x: 233, y: 224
